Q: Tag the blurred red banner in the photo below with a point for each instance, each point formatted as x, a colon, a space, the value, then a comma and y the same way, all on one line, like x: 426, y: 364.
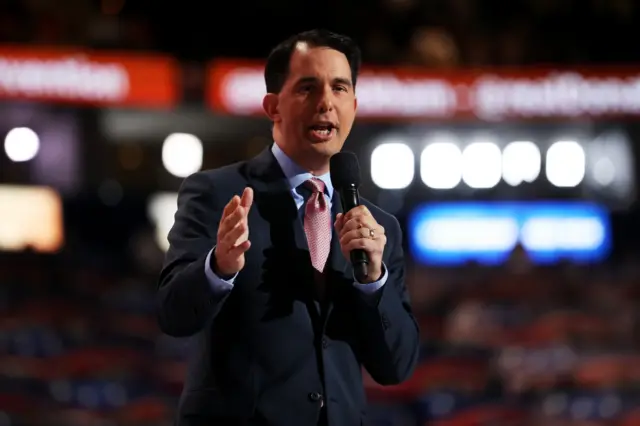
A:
x: 88, y: 77
x: 492, y: 95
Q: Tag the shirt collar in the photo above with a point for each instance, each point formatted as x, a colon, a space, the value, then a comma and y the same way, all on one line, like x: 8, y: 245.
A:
x: 295, y: 174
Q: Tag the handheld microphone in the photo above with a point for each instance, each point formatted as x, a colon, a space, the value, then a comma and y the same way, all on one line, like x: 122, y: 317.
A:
x: 345, y: 178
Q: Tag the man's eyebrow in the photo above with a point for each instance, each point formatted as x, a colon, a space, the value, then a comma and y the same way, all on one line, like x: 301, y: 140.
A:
x: 337, y: 80
x: 305, y: 80
x: 344, y: 81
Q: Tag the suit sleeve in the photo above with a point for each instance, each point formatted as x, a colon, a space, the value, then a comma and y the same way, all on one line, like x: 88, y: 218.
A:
x: 390, y: 335
x: 185, y: 300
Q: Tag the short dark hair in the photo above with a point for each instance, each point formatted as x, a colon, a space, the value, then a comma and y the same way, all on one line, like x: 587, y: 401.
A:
x: 277, y: 69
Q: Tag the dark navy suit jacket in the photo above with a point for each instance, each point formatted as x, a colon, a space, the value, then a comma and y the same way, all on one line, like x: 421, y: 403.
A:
x: 269, y: 352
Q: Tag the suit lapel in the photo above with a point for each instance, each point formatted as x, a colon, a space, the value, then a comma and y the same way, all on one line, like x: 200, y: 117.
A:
x: 337, y: 262
x: 268, y: 180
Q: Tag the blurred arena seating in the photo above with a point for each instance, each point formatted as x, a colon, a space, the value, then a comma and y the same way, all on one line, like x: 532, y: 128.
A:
x: 552, y: 346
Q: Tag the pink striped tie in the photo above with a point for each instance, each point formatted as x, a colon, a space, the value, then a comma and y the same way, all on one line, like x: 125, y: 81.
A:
x: 317, y: 224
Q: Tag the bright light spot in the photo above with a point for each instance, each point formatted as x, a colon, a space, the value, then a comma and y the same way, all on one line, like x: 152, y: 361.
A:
x: 565, y: 164
x: 21, y: 144
x: 611, y: 166
x: 392, y: 165
x: 482, y: 165
x: 441, y: 165
x: 521, y: 162
x: 565, y: 234
x: 161, y: 210
x: 468, y: 234
x: 182, y: 154
x: 604, y: 172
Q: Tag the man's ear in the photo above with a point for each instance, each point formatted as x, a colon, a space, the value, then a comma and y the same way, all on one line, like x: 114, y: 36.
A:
x: 355, y: 104
x: 270, y: 106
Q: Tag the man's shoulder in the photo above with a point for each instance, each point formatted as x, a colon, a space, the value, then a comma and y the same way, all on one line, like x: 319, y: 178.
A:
x: 228, y: 179
x: 229, y: 171
x: 225, y: 175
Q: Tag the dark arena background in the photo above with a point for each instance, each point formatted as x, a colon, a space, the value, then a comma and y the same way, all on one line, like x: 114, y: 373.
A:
x: 503, y: 135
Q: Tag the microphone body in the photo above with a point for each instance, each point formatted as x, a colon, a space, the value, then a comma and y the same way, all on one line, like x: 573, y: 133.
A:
x: 350, y: 198
x: 345, y: 176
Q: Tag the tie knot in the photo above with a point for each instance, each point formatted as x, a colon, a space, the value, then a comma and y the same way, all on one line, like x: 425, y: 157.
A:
x: 315, y: 185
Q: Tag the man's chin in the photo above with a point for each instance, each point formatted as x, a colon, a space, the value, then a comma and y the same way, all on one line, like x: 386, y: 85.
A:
x: 325, y: 148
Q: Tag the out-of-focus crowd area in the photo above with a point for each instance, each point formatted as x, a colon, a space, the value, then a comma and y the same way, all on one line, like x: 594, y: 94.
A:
x: 515, y: 345
x: 437, y: 33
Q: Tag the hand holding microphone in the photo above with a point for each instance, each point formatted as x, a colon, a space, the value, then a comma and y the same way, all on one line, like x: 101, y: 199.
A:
x: 362, y: 239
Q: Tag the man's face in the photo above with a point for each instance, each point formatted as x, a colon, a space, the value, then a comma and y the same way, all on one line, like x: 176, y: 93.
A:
x: 316, y: 106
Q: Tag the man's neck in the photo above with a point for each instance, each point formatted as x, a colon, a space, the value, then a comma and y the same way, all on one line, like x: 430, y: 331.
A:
x: 316, y: 167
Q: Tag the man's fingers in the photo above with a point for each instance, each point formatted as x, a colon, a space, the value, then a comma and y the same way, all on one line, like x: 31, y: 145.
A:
x: 231, y: 221
x: 366, y: 244
x: 357, y: 211
x: 233, y: 233
x: 239, y: 249
x: 359, y: 244
x: 247, y: 198
x: 238, y: 215
x: 339, y: 223
x: 235, y: 211
x: 354, y: 234
x: 357, y: 222
x: 230, y: 238
x: 230, y: 207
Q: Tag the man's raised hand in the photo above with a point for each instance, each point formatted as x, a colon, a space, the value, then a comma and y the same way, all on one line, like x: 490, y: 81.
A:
x: 233, y: 235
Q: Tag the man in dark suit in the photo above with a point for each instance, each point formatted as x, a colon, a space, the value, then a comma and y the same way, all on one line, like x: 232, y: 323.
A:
x: 279, y: 328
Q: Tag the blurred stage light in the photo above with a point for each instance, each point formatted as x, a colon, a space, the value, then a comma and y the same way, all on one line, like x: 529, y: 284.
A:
x: 604, y: 171
x: 611, y: 166
x: 441, y: 165
x: 521, y: 162
x: 565, y: 164
x: 392, y: 165
x: 571, y: 233
x: 182, y: 154
x: 21, y: 144
x: 448, y: 159
x: 161, y: 210
x: 31, y: 217
x: 481, y: 165
x: 488, y: 232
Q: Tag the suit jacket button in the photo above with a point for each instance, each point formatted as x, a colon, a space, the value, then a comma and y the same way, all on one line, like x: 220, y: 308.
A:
x: 315, y: 396
x: 325, y: 343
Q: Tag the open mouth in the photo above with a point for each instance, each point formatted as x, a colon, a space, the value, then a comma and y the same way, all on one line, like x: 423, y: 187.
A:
x: 322, y: 132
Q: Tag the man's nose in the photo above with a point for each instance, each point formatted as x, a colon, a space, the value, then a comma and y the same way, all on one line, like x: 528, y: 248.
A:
x: 325, y: 103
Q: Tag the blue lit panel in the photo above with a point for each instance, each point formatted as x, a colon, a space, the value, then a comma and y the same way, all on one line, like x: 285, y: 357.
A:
x: 454, y: 233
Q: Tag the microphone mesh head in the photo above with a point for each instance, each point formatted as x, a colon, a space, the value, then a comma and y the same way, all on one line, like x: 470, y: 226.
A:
x: 345, y: 170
